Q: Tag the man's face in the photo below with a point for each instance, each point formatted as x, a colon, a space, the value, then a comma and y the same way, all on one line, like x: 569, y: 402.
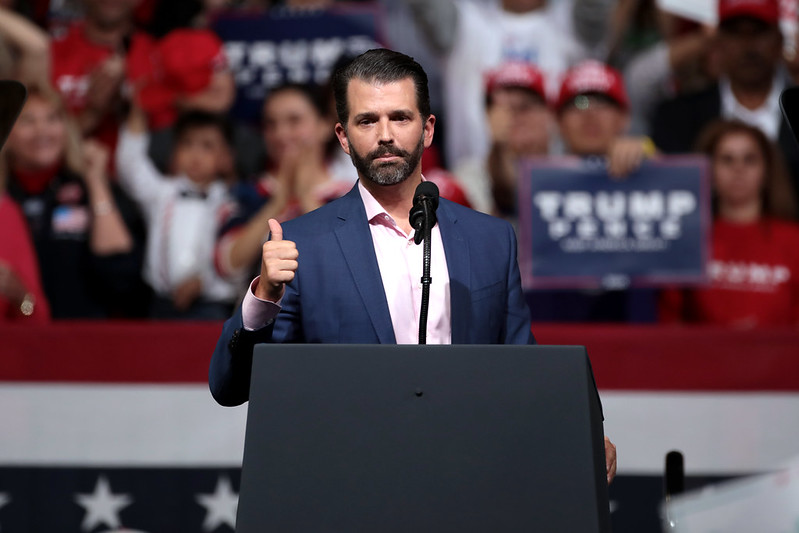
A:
x: 749, y: 51
x: 385, y: 133
x: 590, y: 123
x: 522, y: 119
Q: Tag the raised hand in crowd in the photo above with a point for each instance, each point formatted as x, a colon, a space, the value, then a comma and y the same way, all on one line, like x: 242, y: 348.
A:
x: 29, y: 60
x: 109, y: 234
x: 12, y: 288
x: 105, y: 83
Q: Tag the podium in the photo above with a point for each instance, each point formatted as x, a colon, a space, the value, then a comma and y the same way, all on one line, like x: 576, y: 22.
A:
x: 457, y: 438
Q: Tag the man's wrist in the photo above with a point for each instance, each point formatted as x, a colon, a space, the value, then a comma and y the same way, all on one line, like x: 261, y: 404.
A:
x: 256, y: 312
x: 263, y: 293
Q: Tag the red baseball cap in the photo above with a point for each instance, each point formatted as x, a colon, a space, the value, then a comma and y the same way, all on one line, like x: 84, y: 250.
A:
x: 766, y: 10
x: 592, y: 77
x: 190, y: 57
x: 181, y: 63
x: 516, y: 74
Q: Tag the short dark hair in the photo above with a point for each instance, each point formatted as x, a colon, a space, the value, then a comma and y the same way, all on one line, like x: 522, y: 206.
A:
x: 383, y: 66
x: 312, y: 93
x: 195, y: 119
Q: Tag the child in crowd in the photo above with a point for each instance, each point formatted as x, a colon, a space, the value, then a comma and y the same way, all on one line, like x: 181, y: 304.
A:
x: 187, y: 70
x: 183, y: 213
x: 754, y: 259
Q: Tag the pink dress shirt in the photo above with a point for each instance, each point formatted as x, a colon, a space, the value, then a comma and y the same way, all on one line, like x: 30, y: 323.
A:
x: 400, y: 262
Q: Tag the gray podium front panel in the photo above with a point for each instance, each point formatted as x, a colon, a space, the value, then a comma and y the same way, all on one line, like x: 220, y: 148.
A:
x: 378, y: 438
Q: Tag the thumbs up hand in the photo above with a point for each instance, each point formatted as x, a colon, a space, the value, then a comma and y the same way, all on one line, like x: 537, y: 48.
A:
x: 278, y: 264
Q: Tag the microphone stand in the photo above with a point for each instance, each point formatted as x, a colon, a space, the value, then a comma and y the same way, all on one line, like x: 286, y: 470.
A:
x: 426, y: 279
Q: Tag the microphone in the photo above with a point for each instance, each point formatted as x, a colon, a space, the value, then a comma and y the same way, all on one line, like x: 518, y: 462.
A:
x: 674, y: 484
x: 675, y: 473
x: 425, y: 203
x: 422, y: 218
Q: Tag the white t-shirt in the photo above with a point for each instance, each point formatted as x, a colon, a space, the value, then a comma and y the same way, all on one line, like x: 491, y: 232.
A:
x: 487, y: 36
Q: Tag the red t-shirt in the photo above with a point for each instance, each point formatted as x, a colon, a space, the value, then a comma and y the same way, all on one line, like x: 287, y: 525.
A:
x: 74, y: 57
x: 17, y: 252
x: 753, y: 278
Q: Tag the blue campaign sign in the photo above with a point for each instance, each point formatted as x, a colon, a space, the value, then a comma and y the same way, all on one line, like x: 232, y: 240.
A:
x: 268, y: 48
x: 580, y: 228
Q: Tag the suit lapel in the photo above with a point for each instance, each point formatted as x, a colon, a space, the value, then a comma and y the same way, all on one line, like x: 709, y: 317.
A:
x: 355, y: 240
x: 456, y: 248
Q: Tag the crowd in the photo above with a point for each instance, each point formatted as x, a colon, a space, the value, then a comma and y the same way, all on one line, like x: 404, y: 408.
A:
x: 129, y: 189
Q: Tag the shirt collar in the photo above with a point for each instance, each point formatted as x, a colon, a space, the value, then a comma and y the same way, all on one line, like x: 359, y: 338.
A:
x: 372, y: 206
x: 730, y: 104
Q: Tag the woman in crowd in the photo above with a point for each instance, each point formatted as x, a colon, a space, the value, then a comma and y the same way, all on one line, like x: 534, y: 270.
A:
x: 88, y: 256
x: 754, y: 260
x: 302, y: 172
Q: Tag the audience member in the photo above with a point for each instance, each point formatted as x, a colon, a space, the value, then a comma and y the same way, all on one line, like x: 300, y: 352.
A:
x: 22, y: 297
x: 521, y: 125
x: 188, y: 71
x: 474, y: 37
x: 749, y: 49
x: 660, y: 54
x: 183, y: 213
x: 83, y: 230
x: 593, y: 114
x: 89, y: 65
x: 302, y: 173
x: 754, y: 260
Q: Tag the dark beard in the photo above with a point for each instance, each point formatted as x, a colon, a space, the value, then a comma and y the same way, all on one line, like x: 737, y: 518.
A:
x: 389, y: 173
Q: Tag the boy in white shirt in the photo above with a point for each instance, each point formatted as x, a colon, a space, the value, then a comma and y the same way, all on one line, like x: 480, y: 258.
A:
x: 183, y: 213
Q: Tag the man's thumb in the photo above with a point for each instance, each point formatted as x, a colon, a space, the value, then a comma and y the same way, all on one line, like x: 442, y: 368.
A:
x: 275, y: 230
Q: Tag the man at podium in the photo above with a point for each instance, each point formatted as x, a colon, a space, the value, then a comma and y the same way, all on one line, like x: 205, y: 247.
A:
x: 349, y: 272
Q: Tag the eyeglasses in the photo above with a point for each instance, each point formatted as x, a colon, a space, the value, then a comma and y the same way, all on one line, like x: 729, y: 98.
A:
x: 584, y: 102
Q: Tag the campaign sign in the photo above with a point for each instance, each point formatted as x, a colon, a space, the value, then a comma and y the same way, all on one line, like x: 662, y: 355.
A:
x: 580, y: 228
x: 283, y: 45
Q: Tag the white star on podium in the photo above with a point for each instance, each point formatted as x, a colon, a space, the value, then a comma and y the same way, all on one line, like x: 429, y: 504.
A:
x: 220, y: 506
x: 102, y: 506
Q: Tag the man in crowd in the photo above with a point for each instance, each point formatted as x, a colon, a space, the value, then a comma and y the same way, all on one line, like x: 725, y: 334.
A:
x: 749, y: 49
x: 593, y: 116
x: 89, y: 65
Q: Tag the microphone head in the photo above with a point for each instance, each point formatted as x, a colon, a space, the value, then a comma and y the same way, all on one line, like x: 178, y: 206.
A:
x: 675, y: 473
x: 429, y: 190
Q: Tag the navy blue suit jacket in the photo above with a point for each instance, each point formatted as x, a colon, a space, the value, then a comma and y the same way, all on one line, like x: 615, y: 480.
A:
x: 337, y: 295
